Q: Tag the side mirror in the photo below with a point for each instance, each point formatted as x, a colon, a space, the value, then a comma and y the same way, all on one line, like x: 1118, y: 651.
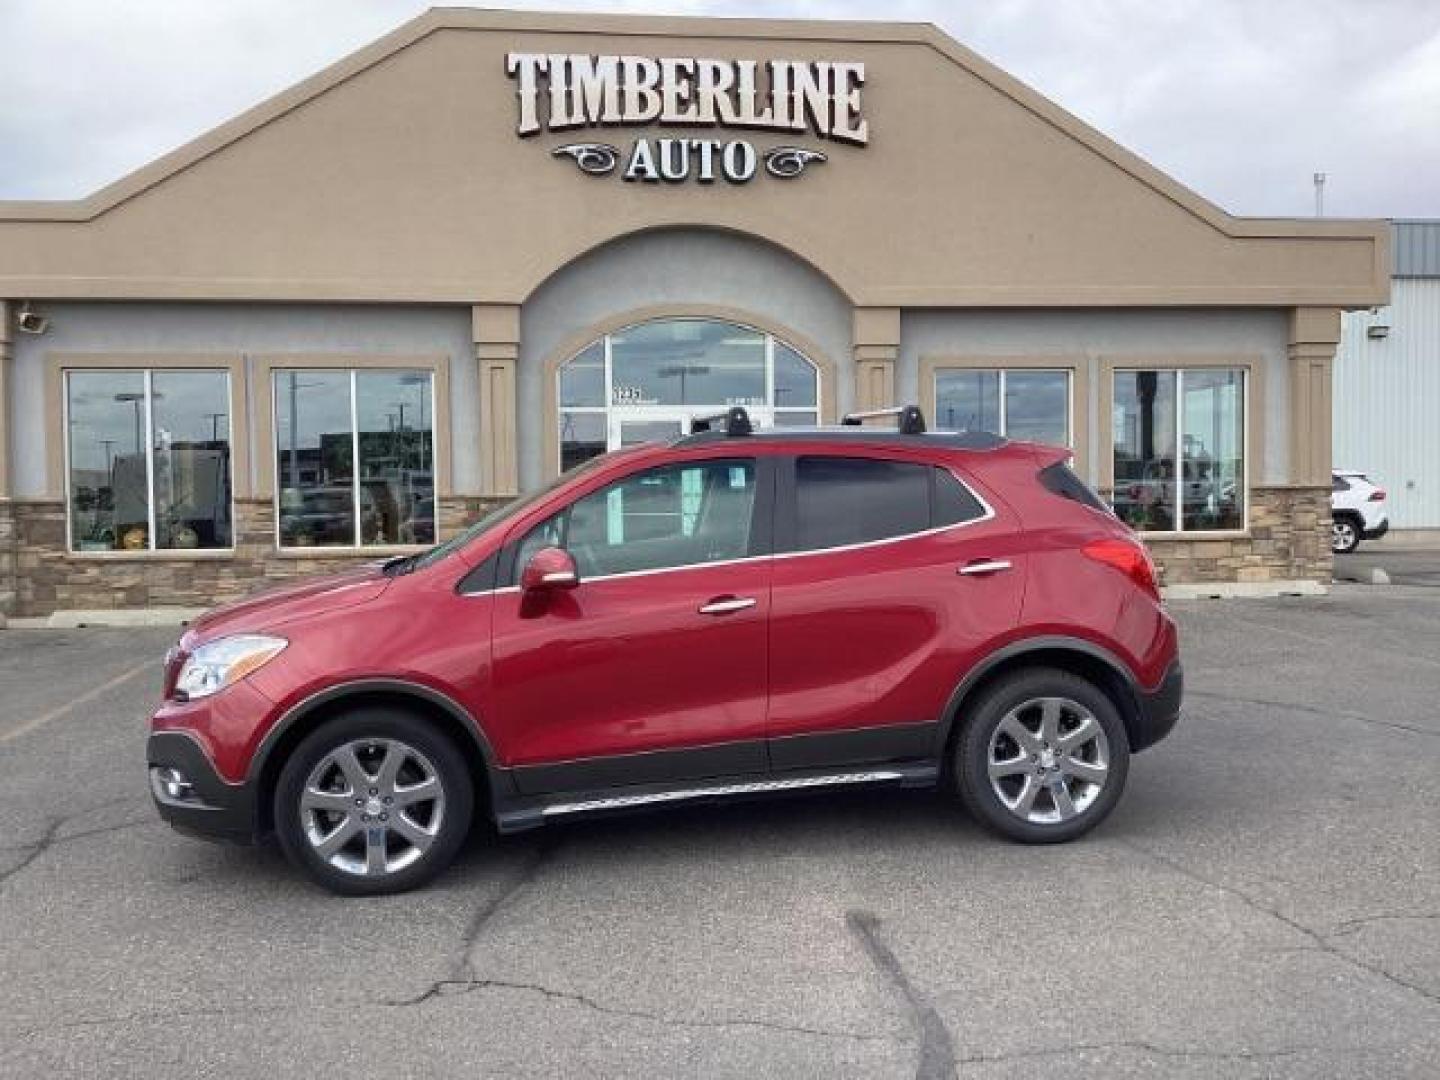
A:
x: 549, y: 568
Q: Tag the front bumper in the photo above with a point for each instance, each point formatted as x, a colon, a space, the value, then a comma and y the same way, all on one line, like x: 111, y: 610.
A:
x: 193, y: 798
x: 1159, y: 710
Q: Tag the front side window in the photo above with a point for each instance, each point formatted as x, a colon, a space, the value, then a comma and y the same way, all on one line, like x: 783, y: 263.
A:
x: 1019, y: 403
x: 676, y: 515
x: 1179, y: 446
x: 148, y: 460
x: 354, y: 457
x: 841, y: 501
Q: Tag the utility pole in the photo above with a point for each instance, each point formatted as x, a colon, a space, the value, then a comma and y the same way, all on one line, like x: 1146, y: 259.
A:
x: 1319, y: 194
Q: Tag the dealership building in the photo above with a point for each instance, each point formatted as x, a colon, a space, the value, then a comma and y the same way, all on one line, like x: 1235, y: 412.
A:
x: 494, y: 244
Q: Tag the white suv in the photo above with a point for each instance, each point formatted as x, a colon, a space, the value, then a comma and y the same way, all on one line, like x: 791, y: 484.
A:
x: 1357, y: 511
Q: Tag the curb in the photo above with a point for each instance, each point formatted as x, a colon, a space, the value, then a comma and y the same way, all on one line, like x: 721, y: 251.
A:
x: 117, y: 618
x: 1243, y: 590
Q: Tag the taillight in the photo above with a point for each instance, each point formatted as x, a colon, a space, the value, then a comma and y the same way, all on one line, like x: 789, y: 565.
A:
x: 1378, y: 495
x: 1129, y: 557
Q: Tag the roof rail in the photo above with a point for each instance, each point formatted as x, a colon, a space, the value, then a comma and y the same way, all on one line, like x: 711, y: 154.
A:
x: 908, y: 418
x: 737, y: 422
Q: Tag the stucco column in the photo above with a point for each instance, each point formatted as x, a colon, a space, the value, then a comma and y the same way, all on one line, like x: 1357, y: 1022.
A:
x: 6, y: 313
x: 876, y: 336
x: 496, y: 330
x: 1314, y: 334
x: 7, y: 510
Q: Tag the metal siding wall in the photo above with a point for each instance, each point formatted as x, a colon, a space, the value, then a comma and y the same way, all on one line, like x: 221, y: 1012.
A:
x: 1387, y: 401
x: 1416, y: 248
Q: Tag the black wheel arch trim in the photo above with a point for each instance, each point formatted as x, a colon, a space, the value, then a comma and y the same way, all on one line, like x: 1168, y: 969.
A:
x: 1138, y: 721
x: 498, y: 779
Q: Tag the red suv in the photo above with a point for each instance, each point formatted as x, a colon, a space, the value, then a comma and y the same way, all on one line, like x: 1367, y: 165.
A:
x: 734, y: 613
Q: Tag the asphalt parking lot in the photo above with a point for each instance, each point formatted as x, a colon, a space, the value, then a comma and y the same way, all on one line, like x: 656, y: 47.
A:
x: 1401, y: 565
x: 1265, y: 902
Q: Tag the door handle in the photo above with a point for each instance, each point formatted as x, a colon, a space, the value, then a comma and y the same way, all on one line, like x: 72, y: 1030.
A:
x: 724, y: 605
x: 981, y: 567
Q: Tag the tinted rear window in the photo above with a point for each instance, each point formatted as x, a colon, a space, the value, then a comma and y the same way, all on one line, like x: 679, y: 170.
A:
x: 854, y: 500
x: 842, y: 501
x: 954, y: 502
x: 1059, y: 479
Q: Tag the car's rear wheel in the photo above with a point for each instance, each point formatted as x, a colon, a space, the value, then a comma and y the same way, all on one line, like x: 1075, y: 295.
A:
x: 1344, y: 535
x: 1042, y: 756
x: 373, y: 802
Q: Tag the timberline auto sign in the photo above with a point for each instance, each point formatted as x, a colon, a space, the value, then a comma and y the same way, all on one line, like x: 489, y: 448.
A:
x: 797, y: 96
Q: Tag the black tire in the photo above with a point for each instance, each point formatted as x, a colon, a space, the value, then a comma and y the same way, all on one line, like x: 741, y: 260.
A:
x: 384, y: 725
x: 972, y: 748
x: 1344, y: 534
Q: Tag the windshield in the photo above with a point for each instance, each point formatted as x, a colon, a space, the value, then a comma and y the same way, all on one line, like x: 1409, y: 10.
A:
x: 498, y: 515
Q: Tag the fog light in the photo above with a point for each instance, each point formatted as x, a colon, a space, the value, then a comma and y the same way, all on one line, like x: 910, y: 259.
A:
x: 170, y: 783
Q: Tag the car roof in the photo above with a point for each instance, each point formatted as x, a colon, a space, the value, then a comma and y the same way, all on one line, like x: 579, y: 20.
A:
x: 861, y: 436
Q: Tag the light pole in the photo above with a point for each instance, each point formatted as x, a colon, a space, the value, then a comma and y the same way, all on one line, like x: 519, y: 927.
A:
x: 134, y: 399
x: 421, y: 384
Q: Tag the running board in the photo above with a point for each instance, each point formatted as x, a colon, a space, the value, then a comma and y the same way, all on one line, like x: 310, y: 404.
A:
x: 536, y: 812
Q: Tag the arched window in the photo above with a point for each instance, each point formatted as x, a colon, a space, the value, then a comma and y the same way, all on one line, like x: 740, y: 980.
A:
x: 645, y: 382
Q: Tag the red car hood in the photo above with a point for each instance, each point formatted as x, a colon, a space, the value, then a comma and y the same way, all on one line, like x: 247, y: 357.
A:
x: 270, y: 608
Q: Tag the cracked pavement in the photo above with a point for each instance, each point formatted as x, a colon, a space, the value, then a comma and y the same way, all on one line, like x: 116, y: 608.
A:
x: 1263, y: 903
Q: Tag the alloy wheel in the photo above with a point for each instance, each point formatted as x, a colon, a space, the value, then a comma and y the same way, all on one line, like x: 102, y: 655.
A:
x: 1048, y: 760
x: 372, y: 807
x: 1342, y: 536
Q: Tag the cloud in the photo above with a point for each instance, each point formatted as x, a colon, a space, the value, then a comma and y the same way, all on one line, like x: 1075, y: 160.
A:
x: 1239, y: 100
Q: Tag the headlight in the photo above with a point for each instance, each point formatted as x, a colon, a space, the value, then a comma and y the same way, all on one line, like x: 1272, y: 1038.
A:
x: 216, y: 665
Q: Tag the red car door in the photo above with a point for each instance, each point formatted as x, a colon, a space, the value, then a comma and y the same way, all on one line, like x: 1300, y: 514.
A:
x: 892, y: 578
x: 654, y: 667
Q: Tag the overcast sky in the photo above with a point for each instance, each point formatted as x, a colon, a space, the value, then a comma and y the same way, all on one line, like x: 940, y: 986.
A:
x: 1242, y: 100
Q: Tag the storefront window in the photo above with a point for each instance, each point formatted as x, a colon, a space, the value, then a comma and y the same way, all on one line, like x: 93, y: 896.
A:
x: 645, y: 382
x: 149, y: 460
x: 327, y: 421
x: 1179, y: 445
x: 1020, y: 403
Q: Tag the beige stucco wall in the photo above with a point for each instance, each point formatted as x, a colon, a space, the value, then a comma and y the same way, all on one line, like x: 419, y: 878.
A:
x: 398, y: 175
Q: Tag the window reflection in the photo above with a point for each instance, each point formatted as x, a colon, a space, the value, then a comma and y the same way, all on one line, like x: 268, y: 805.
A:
x: 191, y: 419
x: 1019, y: 403
x: 661, y: 374
x: 968, y: 400
x: 322, y: 418
x: 794, y: 379
x: 582, y: 437
x: 1208, y: 481
x: 314, y: 458
x: 109, y: 492
x: 149, y: 460
x: 1037, y: 406
x: 397, y: 480
x: 1212, y: 417
x: 582, y: 380
x: 688, y: 362
x: 1144, y: 439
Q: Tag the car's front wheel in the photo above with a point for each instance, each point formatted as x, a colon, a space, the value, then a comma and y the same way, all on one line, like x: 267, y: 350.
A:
x: 373, y: 802
x: 1344, y: 535
x: 1042, y: 756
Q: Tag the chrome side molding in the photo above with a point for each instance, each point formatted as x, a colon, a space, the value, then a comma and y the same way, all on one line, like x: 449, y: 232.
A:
x: 617, y: 802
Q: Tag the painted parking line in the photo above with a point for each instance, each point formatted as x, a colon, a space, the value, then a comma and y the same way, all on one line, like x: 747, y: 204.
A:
x: 104, y: 688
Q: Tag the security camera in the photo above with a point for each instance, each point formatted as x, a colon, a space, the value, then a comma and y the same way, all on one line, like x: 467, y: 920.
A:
x: 32, y: 322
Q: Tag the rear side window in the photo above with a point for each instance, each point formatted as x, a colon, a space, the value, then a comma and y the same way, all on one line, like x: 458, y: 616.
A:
x: 1339, y: 483
x: 954, y: 502
x: 1061, y: 481
x: 841, y: 501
